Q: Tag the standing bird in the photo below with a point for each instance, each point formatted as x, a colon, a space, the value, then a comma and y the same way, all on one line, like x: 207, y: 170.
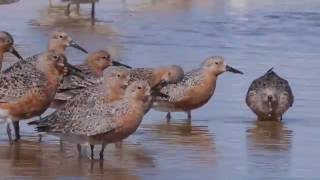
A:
x: 26, y: 94
x: 7, y: 45
x: 58, y: 42
x: 101, y: 122
x: 194, y: 90
x: 111, y: 88
x: 92, y: 70
x: 269, y: 96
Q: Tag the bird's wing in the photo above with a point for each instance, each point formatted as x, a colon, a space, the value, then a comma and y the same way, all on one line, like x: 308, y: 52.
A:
x: 176, y: 92
x: 17, y: 84
x: 140, y: 74
x: 22, y: 65
x: 72, y: 82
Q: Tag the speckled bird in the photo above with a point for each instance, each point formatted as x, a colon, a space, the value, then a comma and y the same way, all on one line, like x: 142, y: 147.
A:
x: 269, y: 96
x: 27, y: 94
x: 195, y: 89
x: 7, y: 45
x: 92, y: 70
x: 111, y: 88
x: 101, y: 122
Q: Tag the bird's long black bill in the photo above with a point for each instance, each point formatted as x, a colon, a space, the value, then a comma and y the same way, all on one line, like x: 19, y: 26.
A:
x: 233, y: 70
x: 15, y: 52
x: 116, y: 63
x: 159, y: 94
x: 76, y: 72
x: 75, y: 45
x: 160, y: 85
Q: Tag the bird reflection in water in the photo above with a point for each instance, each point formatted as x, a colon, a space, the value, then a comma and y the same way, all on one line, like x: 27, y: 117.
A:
x: 269, y: 148
x: 29, y: 158
x: 195, y: 142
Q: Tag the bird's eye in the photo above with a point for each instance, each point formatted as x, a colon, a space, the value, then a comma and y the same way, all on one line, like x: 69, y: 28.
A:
x: 118, y: 75
x: 55, y: 57
x: 139, y: 87
x: 217, y: 63
x: 60, y: 36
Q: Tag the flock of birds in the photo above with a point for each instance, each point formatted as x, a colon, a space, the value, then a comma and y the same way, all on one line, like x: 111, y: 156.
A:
x: 103, y: 101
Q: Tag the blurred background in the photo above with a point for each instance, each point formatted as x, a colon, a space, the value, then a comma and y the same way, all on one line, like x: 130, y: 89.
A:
x: 224, y: 140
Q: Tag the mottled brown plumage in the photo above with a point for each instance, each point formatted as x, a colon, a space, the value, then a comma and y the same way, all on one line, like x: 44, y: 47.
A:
x: 24, y: 95
x: 92, y: 70
x: 156, y: 76
x: 269, y: 96
x: 101, y: 122
x: 194, y: 90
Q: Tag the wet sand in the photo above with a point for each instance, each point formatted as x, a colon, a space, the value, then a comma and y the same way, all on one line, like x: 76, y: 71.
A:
x: 224, y: 140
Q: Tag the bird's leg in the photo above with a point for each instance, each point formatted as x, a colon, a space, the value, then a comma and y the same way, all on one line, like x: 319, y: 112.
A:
x: 61, y: 144
x: 9, y: 132
x: 16, y: 127
x: 93, y: 13
x: 79, y: 149
x: 118, y: 145
x: 93, y: 10
x: 168, y: 116
x: 280, y: 118
x: 50, y: 3
x: 92, y: 151
x: 78, y: 8
x: 102, y: 151
x: 189, y: 115
x: 67, y: 11
x: 40, y: 135
x: 40, y: 138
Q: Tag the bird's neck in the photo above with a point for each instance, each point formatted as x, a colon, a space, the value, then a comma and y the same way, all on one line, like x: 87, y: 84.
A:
x: 157, y: 76
x: 112, y: 93
x: 98, y: 72
x: 209, y: 77
x: 52, y: 75
x: 57, y: 47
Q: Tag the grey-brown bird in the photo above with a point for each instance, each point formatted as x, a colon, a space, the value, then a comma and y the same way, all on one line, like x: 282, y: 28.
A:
x: 100, y: 122
x: 269, y: 96
x: 25, y: 94
x: 194, y: 90
x: 92, y: 70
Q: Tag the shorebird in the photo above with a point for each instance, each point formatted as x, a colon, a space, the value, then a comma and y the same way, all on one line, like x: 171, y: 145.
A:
x: 92, y: 70
x: 194, y: 90
x: 58, y: 42
x: 26, y: 94
x: 269, y: 96
x: 110, y: 88
x: 100, y: 122
x: 158, y: 77
x: 7, y: 45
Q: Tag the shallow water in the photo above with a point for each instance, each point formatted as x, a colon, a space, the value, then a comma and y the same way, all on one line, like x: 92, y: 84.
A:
x: 223, y: 141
